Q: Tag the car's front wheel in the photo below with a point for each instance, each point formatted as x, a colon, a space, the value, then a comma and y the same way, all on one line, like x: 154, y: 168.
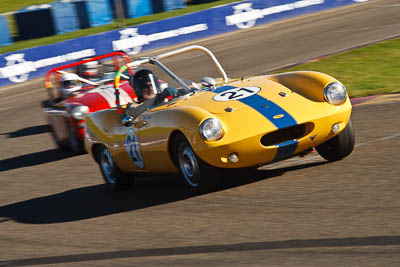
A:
x: 113, y: 176
x: 197, y: 176
x: 60, y: 145
x: 70, y: 143
x: 339, y: 146
x: 75, y: 144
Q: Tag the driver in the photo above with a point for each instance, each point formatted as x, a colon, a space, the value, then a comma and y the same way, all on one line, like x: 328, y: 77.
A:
x: 145, y: 84
x: 148, y: 92
x: 70, y: 84
x: 90, y: 70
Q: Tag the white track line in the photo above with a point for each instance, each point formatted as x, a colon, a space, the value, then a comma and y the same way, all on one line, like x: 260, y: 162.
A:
x: 379, y: 139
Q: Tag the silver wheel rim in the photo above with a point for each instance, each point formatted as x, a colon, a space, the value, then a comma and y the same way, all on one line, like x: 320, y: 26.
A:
x: 106, y: 163
x: 189, y: 166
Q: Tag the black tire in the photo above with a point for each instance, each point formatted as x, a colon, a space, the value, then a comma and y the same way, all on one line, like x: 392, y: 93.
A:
x: 116, y: 179
x: 46, y: 104
x: 196, y: 175
x: 339, y: 146
x: 71, y: 143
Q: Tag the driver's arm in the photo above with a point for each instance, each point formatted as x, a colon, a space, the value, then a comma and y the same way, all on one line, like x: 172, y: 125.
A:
x: 136, y: 110
x: 169, y: 91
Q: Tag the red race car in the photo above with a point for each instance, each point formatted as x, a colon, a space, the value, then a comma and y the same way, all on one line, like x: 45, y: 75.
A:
x: 80, y: 88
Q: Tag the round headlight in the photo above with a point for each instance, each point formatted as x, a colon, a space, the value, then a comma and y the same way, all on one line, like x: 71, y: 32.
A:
x: 211, y: 129
x: 335, y: 93
x: 79, y: 112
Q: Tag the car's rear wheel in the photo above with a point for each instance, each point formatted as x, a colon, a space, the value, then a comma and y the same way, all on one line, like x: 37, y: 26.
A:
x: 339, y: 146
x: 113, y: 176
x: 197, y: 176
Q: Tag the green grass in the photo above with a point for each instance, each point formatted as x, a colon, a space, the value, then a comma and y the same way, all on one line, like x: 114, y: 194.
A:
x: 370, y: 70
x: 13, y: 5
x: 84, y: 32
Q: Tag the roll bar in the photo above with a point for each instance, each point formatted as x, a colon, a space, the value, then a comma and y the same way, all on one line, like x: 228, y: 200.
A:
x: 155, y: 60
x: 59, y: 70
x: 142, y: 61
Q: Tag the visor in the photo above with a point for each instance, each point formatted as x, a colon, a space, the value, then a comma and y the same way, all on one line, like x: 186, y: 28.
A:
x: 69, y: 84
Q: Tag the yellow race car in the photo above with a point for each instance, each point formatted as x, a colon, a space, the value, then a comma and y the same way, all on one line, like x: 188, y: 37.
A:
x: 220, y: 124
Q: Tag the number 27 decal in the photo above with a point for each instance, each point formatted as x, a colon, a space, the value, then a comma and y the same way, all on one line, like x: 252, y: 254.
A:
x: 237, y: 93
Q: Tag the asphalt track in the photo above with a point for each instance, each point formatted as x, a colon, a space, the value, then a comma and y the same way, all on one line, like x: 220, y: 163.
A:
x: 55, y: 210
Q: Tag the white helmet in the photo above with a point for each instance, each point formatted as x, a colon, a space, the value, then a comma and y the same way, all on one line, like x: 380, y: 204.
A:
x: 90, y: 70
x: 70, y: 83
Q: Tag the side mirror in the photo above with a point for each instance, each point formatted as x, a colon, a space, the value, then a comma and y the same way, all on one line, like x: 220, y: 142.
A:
x: 163, y: 85
x: 208, y: 82
x: 127, y: 121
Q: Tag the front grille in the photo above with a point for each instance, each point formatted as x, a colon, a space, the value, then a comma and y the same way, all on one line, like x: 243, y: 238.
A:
x: 286, y: 134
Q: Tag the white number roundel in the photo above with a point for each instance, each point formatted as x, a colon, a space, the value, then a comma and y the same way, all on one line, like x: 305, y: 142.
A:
x: 237, y: 93
x: 132, y: 147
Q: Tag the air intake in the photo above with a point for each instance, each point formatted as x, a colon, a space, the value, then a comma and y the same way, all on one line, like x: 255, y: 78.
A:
x: 287, y: 134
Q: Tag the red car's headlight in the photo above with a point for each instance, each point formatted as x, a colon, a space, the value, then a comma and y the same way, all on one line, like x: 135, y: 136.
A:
x: 79, y: 112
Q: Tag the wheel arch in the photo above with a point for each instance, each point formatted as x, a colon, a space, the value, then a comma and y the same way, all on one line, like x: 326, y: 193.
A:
x: 171, y: 142
x: 95, y: 149
x: 309, y: 84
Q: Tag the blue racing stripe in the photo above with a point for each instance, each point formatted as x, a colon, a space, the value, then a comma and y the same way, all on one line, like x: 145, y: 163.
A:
x: 265, y: 107
x: 286, y: 149
x: 222, y: 89
x: 275, y: 114
x: 269, y: 110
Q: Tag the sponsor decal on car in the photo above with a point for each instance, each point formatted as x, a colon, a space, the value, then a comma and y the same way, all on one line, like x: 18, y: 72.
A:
x: 278, y: 116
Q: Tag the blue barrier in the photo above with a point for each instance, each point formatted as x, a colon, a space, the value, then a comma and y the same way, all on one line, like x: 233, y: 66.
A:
x: 93, y: 13
x: 46, y: 20
x: 174, y: 4
x: 65, y: 17
x: 138, y: 8
x: 32, y: 63
x: 34, y: 22
x: 167, y: 5
x: 5, y: 37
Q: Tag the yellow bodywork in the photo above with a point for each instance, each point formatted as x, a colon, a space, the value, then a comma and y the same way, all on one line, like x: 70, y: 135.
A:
x: 299, y: 94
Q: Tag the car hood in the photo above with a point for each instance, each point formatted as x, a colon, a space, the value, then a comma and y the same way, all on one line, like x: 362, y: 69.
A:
x: 257, y: 101
x: 233, y: 96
